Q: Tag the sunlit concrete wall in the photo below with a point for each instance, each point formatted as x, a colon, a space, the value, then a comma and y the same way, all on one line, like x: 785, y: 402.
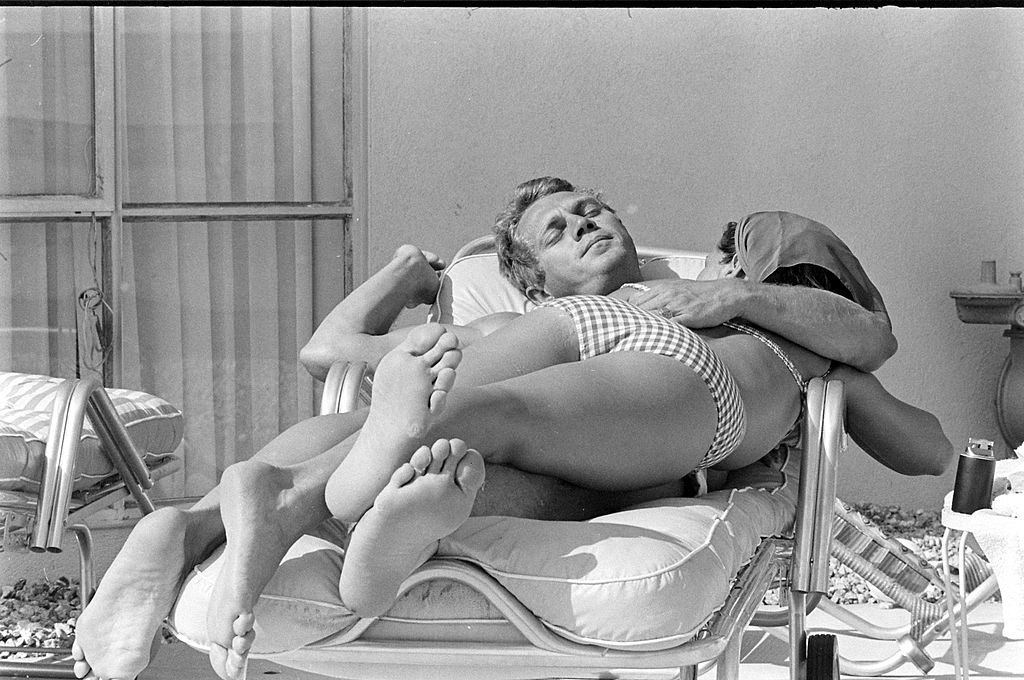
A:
x: 903, y: 129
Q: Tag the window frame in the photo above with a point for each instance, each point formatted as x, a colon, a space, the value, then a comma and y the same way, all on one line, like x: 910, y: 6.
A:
x: 47, y: 207
x: 107, y: 208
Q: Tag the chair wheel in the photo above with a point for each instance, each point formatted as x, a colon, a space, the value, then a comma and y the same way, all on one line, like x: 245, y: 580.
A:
x: 822, y: 657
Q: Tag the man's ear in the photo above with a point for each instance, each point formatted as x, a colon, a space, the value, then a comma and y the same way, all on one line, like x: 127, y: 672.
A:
x: 538, y: 296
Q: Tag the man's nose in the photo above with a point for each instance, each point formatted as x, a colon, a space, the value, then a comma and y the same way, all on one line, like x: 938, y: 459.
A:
x: 581, y: 226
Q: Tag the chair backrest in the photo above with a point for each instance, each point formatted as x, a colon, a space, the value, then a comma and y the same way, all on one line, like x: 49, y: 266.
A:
x: 472, y: 286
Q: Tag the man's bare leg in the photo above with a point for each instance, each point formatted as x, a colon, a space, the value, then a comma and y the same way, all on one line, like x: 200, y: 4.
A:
x: 426, y: 499
x: 264, y: 511
x: 113, y: 636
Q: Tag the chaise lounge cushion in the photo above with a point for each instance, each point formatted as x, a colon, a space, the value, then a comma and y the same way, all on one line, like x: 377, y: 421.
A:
x: 26, y: 405
x: 644, y: 578
x: 482, y: 290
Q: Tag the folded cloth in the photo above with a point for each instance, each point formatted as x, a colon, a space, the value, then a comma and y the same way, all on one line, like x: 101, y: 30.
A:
x: 1008, y: 487
x: 1002, y: 539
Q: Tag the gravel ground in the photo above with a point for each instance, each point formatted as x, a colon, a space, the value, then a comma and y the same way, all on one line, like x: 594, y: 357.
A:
x: 920, y: 530
x: 42, y: 614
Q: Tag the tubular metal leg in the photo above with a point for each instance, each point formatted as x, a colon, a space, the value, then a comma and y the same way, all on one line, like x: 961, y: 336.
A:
x: 797, y: 634
x: 957, y: 620
x: 87, y: 581
x: 729, y: 661
x: 688, y: 673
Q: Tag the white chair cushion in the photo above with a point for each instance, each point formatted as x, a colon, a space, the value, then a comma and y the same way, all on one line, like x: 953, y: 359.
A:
x: 645, y: 578
x: 26, y: 404
x: 483, y: 290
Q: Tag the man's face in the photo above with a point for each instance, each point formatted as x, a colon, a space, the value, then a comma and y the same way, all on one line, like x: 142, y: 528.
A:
x: 718, y: 266
x: 580, y: 243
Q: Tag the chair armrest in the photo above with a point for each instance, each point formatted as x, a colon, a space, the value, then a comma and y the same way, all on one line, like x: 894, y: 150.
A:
x: 75, y: 398
x: 824, y: 440
x: 346, y: 383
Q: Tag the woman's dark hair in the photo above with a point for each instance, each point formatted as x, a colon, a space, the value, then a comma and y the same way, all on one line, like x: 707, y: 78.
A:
x: 517, y: 260
x: 805, y: 274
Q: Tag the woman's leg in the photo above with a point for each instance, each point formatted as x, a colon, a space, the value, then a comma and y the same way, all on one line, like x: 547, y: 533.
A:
x: 114, y: 633
x: 619, y: 421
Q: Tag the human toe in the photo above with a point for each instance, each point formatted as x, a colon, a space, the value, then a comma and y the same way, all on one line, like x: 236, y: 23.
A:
x: 235, y: 665
x: 218, y: 660
x: 243, y: 623
x: 471, y: 471
x: 424, y: 338
x: 445, y: 380
x: 444, y: 353
x: 439, y: 452
x: 420, y: 459
x: 458, y: 451
x: 82, y: 667
x: 241, y: 644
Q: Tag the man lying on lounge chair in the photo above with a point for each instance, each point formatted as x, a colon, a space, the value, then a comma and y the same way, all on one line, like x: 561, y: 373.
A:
x: 287, y: 481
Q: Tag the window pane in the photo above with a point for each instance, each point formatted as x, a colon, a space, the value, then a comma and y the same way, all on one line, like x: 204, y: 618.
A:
x: 51, y: 299
x: 234, y: 104
x: 213, y: 317
x: 46, y: 101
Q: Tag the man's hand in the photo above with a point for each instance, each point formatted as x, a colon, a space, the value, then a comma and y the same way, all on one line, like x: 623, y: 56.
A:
x: 421, y: 269
x: 819, y: 320
x: 694, y: 304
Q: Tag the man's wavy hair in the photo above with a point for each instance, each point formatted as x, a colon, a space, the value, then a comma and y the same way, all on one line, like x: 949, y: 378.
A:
x: 517, y: 258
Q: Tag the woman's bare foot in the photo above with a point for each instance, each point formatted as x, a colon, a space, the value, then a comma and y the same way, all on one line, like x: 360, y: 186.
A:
x: 263, y: 515
x: 427, y: 498
x: 115, y: 633
x: 410, y: 386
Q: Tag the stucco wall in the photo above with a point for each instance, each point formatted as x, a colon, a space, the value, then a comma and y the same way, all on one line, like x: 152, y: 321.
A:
x: 903, y: 129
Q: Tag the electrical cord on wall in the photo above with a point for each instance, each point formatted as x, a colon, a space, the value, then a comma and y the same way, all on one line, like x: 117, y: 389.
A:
x: 92, y: 301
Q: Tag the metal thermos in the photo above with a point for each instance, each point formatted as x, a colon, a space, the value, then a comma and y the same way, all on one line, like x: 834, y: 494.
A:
x: 975, y: 473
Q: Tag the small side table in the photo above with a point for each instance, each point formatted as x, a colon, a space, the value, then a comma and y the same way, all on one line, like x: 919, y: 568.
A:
x: 990, y: 522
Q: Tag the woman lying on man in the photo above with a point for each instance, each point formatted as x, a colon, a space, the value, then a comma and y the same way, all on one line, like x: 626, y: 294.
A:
x: 589, y: 388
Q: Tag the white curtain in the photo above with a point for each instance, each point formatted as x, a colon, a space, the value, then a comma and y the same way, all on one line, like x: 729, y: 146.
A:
x: 46, y: 129
x: 223, y: 104
x: 214, y: 313
x: 48, y: 312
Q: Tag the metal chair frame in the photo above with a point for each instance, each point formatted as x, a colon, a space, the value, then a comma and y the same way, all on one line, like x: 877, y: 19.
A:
x: 56, y: 508
x: 349, y: 384
x: 801, y: 563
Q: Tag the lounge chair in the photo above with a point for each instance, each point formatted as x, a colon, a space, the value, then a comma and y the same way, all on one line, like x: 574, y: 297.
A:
x: 662, y: 589
x: 69, y: 448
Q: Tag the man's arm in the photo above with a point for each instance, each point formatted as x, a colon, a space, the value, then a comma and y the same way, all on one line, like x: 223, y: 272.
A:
x: 359, y: 327
x: 821, y: 321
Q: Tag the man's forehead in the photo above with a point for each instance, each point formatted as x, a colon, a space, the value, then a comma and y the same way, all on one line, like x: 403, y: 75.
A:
x: 544, y: 207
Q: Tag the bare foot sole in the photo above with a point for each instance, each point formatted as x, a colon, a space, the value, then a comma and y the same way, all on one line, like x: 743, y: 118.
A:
x: 409, y: 389
x: 426, y: 499
x: 114, y: 635
x: 262, y: 519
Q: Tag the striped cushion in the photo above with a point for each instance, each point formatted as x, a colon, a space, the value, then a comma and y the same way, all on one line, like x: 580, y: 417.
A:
x: 26, y: 404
